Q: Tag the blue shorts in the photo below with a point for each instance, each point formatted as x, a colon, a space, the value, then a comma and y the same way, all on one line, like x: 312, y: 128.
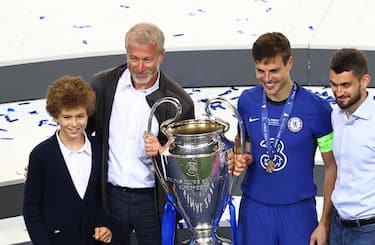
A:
x: 264, y: 224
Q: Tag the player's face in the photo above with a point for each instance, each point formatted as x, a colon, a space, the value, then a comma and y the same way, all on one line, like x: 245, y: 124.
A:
x: 143, y: 62
x: 274, y: 76
x: 348, y: 89
x: 72, y: 123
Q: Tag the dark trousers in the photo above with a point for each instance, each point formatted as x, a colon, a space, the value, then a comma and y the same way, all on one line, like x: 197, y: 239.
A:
x: 342, y: 235
x: 133, y: 211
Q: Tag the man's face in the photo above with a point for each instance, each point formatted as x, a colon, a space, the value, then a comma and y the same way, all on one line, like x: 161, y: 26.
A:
x: 348, y: 89
x: 273, y: 74
x: 143, y: 62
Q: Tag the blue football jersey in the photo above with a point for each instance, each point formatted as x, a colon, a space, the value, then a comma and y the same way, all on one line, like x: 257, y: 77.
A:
x: 292, y: 178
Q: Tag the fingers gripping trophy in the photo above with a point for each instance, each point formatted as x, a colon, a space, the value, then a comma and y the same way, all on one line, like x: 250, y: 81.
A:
x: 193, y: 171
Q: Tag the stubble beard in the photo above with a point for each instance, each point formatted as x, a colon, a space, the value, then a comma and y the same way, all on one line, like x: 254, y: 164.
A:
x: 350, y: 103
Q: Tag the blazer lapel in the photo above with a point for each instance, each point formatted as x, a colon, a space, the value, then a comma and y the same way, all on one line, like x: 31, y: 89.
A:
x: 63, y: 168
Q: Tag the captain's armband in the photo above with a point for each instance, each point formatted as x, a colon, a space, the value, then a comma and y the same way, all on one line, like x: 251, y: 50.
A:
x: 325, y: 143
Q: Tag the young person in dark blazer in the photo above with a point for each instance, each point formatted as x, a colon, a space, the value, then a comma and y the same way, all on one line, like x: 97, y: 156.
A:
x: 62, y: 198
x: 125, y: 95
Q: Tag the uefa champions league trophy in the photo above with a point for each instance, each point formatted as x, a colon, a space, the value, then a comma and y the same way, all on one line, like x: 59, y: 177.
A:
x: 194, y: 173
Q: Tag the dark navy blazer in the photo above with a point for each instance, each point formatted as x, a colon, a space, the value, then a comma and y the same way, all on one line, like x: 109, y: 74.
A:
x: 53, y: 211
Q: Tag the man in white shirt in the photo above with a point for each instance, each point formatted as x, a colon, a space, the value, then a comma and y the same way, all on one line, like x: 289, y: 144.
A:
x: 353, y: 123
x: 125, y: 95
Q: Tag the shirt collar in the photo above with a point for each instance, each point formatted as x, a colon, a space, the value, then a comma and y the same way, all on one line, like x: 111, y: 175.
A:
x: 125, y: 82
x: 86, y: 148
x: 364, y: 110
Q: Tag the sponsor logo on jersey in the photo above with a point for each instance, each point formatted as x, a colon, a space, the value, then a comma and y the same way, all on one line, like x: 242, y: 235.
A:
x: 253, y: 119
x: 279, y: 158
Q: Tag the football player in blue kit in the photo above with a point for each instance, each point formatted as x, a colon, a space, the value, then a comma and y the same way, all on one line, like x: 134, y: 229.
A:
x: 284, y: 124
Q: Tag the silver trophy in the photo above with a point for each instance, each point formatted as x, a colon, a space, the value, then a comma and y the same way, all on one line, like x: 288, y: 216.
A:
x: 194, y: 169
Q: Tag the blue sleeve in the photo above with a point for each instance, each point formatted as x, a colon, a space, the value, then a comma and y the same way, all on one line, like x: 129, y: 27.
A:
x: 323, y: 125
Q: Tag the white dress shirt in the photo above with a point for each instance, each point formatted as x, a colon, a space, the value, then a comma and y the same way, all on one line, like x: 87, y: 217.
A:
x: 79, y: 164
x: 354, y: 150
x: 128, y: 164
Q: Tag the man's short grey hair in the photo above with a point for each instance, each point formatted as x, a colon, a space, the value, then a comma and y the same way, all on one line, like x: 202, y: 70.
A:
x: 145, y: 33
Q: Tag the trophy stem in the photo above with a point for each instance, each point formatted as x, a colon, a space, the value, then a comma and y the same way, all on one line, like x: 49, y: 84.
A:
x: 206, y: 235
x: 203, y: 234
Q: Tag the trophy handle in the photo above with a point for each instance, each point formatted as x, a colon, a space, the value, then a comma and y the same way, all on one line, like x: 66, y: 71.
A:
x: 164, y: 124
x: 161, y: 173
x: 234, y: 180
x: 237, y: 115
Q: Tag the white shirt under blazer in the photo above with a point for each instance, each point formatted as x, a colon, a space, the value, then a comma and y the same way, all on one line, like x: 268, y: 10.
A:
x: 128, y: 164
x: 79, y: 164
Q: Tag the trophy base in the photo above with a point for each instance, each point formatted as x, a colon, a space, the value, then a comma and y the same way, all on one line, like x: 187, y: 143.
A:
x: 207, y: 241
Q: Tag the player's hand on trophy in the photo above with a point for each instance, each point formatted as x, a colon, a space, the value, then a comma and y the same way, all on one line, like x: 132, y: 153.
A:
x: 240, y: 159
x: 237, y: 163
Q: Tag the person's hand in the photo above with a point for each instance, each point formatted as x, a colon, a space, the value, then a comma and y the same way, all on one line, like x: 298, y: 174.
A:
x: 152, y: 145
x: 103, y: 234
x: 320, y: 235
x: 26, y: 169
x: 237, y: 163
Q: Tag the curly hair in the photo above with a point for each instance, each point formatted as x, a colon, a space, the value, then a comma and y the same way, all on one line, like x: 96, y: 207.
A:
x: 69, y: 92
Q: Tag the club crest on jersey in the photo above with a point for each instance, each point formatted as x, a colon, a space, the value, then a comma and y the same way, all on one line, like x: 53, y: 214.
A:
x: 295, y: 124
